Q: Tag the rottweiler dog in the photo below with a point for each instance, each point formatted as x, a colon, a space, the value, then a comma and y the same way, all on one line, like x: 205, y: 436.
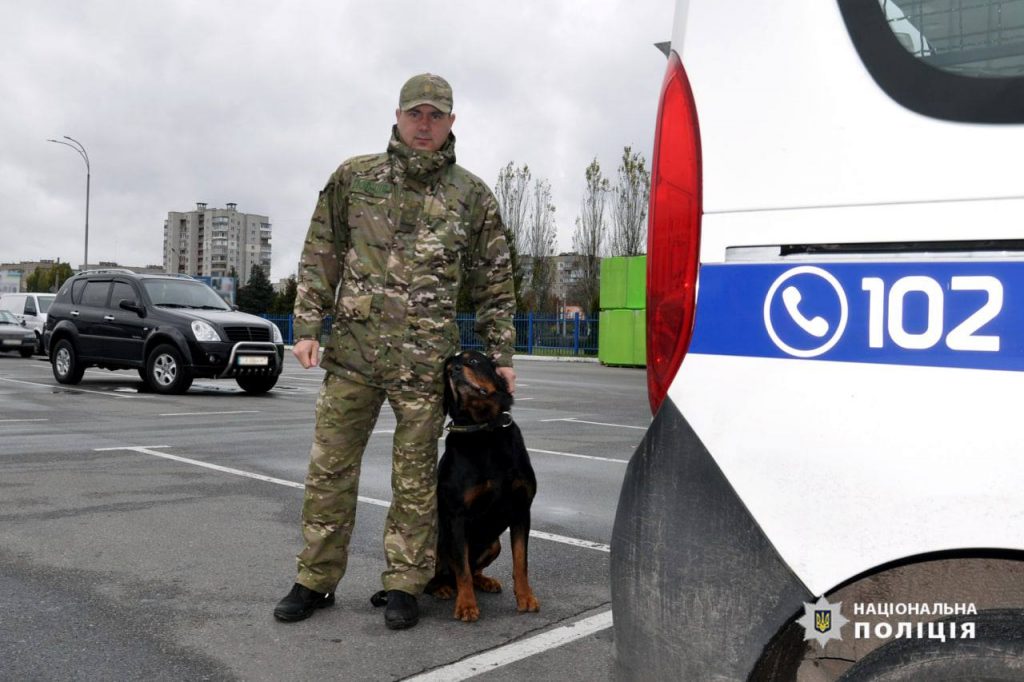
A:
x: 485, y: 485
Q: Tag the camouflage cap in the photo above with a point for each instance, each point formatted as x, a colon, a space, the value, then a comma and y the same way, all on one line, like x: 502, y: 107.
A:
x: 426, y: 88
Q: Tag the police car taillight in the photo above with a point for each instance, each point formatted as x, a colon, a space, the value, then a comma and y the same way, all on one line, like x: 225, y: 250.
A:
x: 673, y: 234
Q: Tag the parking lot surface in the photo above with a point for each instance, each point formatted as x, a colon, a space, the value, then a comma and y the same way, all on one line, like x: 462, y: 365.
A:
x: 149, y: 537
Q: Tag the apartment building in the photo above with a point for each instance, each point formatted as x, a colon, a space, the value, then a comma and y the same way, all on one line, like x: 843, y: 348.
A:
x: 209, y: 242
x: 566, y: 275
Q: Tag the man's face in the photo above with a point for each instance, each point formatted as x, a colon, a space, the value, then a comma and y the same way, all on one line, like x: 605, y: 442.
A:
x: 424, y: 127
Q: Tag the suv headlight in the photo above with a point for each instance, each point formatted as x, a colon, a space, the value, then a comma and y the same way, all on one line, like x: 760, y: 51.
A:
x: 204, y: 331
x: 276, y: 331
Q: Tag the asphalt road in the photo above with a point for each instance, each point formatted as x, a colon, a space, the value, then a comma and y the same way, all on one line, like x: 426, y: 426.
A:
x: 148, y: 537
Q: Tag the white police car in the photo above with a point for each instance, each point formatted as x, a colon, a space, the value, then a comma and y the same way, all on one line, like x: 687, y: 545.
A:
x: 833, y: 484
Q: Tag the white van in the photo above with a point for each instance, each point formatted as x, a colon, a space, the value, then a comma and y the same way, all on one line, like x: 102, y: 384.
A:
x: 30, y: 308
x: 833, y: 483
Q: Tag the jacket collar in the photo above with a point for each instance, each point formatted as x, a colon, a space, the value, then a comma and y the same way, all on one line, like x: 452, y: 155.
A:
x: 417, y: 164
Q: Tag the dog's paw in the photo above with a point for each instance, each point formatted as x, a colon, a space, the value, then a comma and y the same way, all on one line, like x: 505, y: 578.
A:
x: 527, y: 603
x: 485, y: 584
x: 467, y: 612
x: 444, y: 592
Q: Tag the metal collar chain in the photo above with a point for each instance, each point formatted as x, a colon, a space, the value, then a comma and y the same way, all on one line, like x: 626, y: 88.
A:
x: 503, y: 422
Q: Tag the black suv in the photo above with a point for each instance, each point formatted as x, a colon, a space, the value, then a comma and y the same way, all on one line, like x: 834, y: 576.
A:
x: 172, y: 328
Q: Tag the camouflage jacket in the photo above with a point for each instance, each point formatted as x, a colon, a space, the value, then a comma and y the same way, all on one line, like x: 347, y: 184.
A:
x: 391, y: 239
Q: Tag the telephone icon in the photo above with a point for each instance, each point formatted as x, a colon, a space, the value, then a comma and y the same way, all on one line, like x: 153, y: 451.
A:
x: 815, y: 326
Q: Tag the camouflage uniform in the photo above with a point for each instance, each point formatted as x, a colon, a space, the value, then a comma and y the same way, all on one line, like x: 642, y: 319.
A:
x: 388, y: 245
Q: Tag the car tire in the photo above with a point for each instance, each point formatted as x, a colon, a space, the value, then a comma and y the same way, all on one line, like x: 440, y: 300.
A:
x: 40, y: 349
x: 256, y: 385
x: 996, y: 653
x: 166, y: 371
x: 27, y: 352
x: 67, y: 368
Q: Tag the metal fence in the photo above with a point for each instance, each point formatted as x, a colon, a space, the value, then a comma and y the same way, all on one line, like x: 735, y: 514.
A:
x: 536, y: 333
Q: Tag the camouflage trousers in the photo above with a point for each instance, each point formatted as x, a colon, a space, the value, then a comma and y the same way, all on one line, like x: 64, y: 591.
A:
x: 346, y: 413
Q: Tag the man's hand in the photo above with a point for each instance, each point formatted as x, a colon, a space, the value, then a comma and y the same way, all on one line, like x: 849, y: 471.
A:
x: 307, y: 351
x: 509, y: 375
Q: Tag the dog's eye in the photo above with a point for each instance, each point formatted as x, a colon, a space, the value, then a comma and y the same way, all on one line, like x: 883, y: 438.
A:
x: 483, y: 391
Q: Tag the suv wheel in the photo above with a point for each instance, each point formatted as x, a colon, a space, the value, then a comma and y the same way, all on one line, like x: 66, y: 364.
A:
x: 256, y: 385
x: 66, y: 367
x: 166, y: 371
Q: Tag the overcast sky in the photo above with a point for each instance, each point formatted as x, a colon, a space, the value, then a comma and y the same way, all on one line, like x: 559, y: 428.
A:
x: 257, y: 102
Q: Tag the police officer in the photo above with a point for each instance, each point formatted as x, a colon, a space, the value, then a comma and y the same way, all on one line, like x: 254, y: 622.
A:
x: 392, y: 238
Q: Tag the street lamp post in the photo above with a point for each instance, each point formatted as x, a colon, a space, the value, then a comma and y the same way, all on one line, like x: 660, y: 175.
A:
x: 80, y: 148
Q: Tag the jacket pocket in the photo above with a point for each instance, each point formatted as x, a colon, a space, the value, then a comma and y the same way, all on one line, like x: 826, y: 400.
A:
x: 354, y: 307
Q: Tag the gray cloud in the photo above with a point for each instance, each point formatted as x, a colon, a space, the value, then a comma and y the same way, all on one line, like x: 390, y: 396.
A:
x: 257, y: 102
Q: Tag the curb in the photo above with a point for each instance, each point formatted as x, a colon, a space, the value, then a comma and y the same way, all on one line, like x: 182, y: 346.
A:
x: 554, y: 358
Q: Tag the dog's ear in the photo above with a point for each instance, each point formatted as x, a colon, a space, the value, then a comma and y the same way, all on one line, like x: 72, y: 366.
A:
x: 499, y: 380
x: 505, y: 398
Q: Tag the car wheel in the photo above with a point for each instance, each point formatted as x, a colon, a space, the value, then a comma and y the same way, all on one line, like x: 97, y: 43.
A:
x: 66, y: 367
x: 166, y: 371
x: 256, y: 385
x: 40, y: 349
x: 26, y: 352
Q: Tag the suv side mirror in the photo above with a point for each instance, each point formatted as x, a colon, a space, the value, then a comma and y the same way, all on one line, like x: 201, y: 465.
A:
x: 125, y: 304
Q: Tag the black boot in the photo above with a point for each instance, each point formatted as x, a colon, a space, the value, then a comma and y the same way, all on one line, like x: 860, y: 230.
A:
x: 402, y: 611
x: 300, y: 603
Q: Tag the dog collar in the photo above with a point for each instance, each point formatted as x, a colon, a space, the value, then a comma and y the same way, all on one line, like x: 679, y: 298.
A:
x: 503, y: 421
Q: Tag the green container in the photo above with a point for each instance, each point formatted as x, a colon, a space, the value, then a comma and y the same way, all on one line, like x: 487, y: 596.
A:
x: 640, y: 338
x: 636, y: 283
x: 616, y: 337
x: 614, y: 275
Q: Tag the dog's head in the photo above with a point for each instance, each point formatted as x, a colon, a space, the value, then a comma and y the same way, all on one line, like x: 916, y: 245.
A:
x: 473, y: 390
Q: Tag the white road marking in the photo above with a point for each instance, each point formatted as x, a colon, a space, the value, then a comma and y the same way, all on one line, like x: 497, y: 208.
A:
x: 572, y: 454
x: 8, y: 421
x: 516, y: 651
x: 292, y: 377
x: 581, y: 421
x: 575, y: 542
x: 154, y: 451
x: 68, y: 388
x: 203, y: 414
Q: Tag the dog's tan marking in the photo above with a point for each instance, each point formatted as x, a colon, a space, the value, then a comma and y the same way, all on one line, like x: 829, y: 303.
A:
x: 471, y: 495
x: 525, y: 600
x: 466, y: 608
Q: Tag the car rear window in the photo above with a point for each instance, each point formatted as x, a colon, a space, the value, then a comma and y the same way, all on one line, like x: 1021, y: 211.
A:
x: 960, y: 60
x: 44, y: 303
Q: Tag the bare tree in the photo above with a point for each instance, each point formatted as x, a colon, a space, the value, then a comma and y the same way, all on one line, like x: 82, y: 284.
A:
x: 629, y: 205
x: 512, y: 192
x: 540, y: 244
x: 588, y: 239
